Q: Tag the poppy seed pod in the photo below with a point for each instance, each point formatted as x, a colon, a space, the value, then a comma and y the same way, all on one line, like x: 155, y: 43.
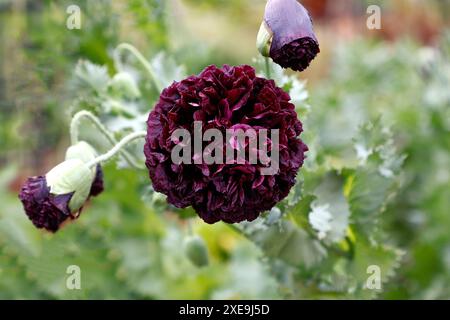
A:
x: 287, y: 35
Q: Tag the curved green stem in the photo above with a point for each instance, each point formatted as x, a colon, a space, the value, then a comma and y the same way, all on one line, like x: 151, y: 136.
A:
x: 148, y: 67
x: 117, y: 148
x: 74, y: 135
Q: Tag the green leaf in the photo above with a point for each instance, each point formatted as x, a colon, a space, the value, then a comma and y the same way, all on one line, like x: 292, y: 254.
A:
x: 91, y: 76
x: 330, y: 210
x: 368, y: 260
x: 374, y: 181
x: 167, y: 69
x: 367, y: 193
x: 286, y: 242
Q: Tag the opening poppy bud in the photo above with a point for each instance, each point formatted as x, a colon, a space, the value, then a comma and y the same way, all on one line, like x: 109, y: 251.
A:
x: 196, y: 251
x: 293, y: 43
x: 86, y: 153
x: 49, y: 200
x: 71, y: 177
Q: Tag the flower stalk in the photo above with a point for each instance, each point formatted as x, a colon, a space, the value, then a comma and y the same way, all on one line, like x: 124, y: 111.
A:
x: 117, y: 148
x: 148, y: 67
x: 74, y: 135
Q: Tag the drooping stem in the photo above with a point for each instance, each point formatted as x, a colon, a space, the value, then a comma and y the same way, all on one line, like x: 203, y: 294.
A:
x: 117, y: 148
x: 74, y: 135
x: 148, y: 67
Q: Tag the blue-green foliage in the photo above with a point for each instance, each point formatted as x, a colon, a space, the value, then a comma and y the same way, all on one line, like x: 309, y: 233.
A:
x: 374, y: 190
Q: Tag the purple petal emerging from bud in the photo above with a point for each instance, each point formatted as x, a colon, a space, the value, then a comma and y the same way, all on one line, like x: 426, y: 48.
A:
x: 47, y: 210
x: 42, y: 208
x: 97, y: 186
x: 294, y: 43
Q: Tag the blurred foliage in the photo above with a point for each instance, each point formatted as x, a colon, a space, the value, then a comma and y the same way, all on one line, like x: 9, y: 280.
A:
x: 374, y: 190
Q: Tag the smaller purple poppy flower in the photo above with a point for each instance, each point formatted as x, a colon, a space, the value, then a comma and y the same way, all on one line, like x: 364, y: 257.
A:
x: 287, y: 35
x: 59, y: 195
x: 42, y: 208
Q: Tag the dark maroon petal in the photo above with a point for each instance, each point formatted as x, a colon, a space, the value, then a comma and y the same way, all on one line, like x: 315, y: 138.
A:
x: 42, y: 208
x: 294, y: 44
x: 223, y: 98
x: 97, y: 185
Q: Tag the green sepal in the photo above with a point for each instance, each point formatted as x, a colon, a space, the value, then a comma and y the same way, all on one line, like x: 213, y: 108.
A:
x: 71, y: 176
x: 264, y: 39
x: 82, y: 151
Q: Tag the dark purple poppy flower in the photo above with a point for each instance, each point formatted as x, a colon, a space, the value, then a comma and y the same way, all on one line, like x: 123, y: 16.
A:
x: 288, y: 30
x: 42, y: 208
x: 49, y: 211
x: 223, y: 98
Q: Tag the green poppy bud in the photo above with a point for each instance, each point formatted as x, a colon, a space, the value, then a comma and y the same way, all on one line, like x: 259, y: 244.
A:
x: 123, y: 84
x: 82, y: 151
x: 196, y: 251
x: 74, y: 177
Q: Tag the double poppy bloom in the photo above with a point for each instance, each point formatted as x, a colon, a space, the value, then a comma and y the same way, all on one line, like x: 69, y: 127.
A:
x: 223, y: 98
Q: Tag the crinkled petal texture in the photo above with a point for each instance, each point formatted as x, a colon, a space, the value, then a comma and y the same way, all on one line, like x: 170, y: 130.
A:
x: 47, y: 210
x: 223, y: 98
x: 42, y: 208
x: 294, y: 44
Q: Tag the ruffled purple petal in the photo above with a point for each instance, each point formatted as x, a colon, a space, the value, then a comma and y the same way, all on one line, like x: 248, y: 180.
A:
x: 223, y: 98
x: 294, y: 44
x: 42, y: 208
x: 97, y: 186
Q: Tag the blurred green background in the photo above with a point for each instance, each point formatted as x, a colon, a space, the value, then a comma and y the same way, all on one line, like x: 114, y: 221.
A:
x: 128, y: 242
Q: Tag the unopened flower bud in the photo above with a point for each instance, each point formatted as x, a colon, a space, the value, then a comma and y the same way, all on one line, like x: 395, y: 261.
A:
x: 287, y: 36
x: 49, y: 200
x: 82, y: 151
x: 123, y: 84
x: 196, y: 251
x: 71, y: 177
x: 86, y: 153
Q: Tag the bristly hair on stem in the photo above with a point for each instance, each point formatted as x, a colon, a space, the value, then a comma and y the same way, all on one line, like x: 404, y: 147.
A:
x: 74, y: 135
x: 117, y: 148
x: 148, y: 67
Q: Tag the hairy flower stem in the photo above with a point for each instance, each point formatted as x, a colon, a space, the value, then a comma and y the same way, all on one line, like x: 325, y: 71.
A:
x: 117, y: 148
x: 148, y: 67
x: 74, y: 135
